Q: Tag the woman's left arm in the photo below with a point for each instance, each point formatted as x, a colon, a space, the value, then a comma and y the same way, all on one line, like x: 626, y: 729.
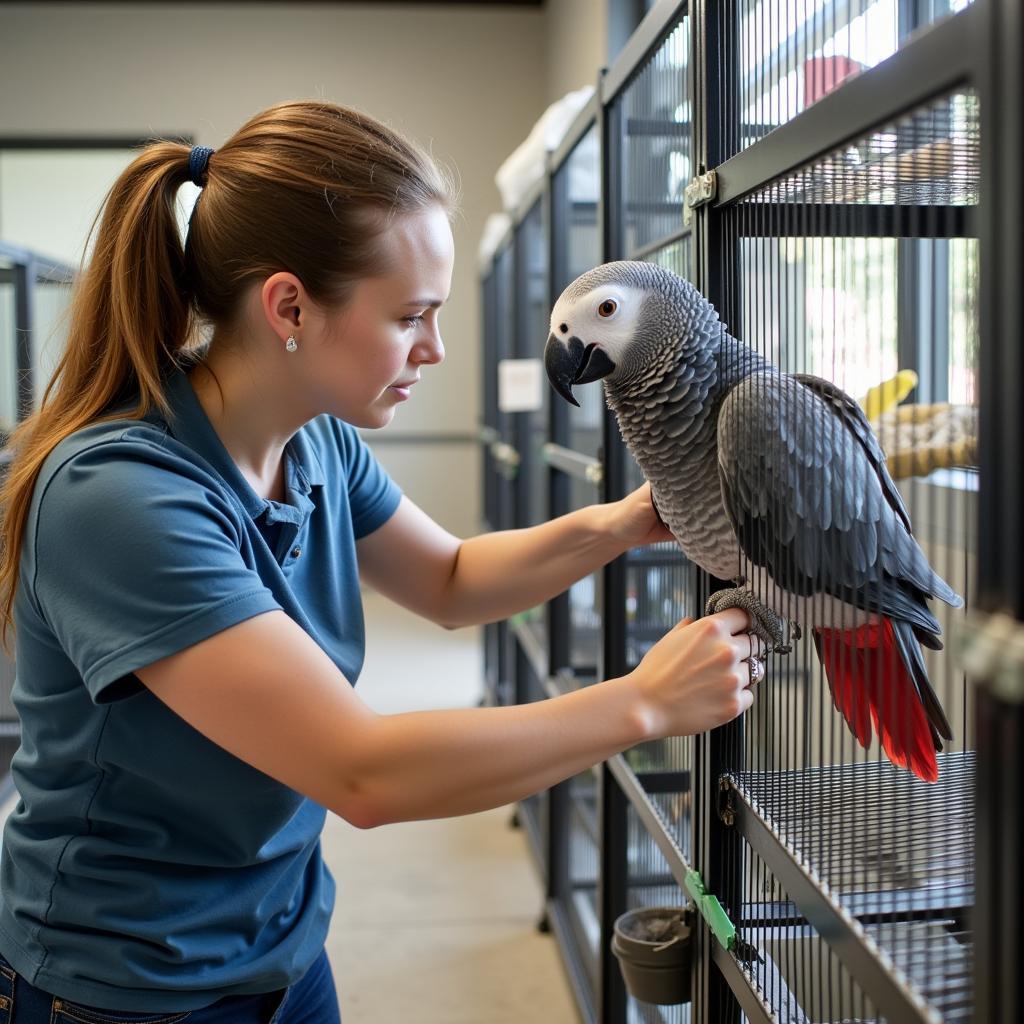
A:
x: 453, y: 582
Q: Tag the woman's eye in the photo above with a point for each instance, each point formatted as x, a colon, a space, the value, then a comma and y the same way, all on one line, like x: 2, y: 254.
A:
x: 607, y: 307
x: 412, y: 321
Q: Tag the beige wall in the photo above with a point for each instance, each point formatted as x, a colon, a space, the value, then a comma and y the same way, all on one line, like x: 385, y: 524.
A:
x: 467, y: 81
x: 576, y: 45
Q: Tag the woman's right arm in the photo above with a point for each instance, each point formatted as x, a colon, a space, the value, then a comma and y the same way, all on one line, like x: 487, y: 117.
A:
x: 265, y: 691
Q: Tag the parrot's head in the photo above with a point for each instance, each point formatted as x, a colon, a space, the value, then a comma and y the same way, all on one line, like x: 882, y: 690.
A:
x: 624, y: 322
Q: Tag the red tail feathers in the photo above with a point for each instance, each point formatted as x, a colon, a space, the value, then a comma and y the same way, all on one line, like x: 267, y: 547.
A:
x: 871, y: 683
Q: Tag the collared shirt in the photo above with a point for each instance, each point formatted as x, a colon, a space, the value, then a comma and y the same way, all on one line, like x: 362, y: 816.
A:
x: 144, y: 867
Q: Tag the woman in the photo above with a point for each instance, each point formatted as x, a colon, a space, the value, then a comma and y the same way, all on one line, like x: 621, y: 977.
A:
x: 185, y: 529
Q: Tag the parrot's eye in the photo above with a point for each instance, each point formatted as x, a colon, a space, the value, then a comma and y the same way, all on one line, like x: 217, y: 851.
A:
x: 607, y: 308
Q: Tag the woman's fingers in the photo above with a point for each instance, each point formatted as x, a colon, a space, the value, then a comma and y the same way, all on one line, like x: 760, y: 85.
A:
x: 736, y: 620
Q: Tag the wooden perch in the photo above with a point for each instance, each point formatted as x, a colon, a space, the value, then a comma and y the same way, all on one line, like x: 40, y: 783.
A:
x: 922, y: 461
x: 921, y: 438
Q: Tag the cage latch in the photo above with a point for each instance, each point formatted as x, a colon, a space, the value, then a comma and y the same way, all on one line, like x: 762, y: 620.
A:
x: 710, y: 909
x: 990, y: 649
x: 700, y: 191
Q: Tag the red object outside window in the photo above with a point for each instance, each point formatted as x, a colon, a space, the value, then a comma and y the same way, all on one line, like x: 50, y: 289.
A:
x: 823, y: 74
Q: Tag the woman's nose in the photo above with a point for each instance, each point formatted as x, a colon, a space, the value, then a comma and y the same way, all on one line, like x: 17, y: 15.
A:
x: 432, y: 349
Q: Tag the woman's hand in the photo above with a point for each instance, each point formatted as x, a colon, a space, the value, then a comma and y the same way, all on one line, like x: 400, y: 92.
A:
x: 697, y: 676
x: 634, y: 522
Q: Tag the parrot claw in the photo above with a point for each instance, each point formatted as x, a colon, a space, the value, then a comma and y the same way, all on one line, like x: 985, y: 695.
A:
x: 765, y: 624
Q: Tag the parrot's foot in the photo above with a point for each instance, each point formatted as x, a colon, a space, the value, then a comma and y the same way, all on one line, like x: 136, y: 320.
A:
x: 766, y: 625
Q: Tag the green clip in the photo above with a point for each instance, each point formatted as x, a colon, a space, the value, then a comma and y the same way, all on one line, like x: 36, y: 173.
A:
x: 711, y: 910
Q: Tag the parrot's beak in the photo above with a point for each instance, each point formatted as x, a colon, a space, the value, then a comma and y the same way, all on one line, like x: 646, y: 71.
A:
x: 571, y: 362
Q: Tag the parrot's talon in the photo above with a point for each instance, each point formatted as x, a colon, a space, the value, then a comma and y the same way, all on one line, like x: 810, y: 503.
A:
x: 768, y: 627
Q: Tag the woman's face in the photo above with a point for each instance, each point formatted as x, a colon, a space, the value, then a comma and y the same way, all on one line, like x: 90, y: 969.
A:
x: 362, y: 361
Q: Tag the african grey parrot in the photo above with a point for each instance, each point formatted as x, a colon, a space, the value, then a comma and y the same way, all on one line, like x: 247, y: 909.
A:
x: 744, y: 460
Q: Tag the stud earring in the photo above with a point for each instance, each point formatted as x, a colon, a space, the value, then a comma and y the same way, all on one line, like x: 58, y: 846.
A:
x: 291, y: 344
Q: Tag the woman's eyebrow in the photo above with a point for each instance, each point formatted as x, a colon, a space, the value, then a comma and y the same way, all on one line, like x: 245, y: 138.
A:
x: 431, y: 303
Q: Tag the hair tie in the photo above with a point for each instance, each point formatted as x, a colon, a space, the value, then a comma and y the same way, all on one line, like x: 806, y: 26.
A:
x: 197, y: 161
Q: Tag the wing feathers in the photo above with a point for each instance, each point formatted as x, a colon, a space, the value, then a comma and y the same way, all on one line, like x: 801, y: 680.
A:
x: 805, y: 486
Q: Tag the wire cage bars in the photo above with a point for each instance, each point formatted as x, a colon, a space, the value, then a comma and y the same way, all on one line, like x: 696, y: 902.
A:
x: 852, y: 269
x: 841, y: 236
x: 649, y: 124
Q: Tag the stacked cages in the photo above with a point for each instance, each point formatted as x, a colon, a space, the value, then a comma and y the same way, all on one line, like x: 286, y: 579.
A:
x: 841, y: 235
x: 850, y: 880
x: 34, y: 292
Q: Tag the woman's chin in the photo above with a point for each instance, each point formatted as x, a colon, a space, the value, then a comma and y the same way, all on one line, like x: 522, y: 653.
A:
x: 375, y: 418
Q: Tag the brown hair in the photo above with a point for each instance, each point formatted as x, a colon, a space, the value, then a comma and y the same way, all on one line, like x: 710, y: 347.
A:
x: 305, y: 187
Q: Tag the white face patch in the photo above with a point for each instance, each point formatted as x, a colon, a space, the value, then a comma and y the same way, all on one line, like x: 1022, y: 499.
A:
x: 614, y: 334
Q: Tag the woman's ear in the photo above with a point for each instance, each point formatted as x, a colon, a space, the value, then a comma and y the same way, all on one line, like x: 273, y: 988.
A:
x: 284, y: 302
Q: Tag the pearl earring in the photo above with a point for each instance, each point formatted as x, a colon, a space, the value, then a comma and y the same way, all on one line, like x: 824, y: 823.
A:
x: 291, y: 344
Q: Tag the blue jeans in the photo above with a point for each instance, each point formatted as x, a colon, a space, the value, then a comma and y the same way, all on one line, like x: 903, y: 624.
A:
x: 310, y: 1000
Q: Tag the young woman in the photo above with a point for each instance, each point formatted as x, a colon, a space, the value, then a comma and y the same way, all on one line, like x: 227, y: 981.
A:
x: 185, y: 527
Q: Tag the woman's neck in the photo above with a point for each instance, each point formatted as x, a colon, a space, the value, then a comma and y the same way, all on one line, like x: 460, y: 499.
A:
x: 239, y: 417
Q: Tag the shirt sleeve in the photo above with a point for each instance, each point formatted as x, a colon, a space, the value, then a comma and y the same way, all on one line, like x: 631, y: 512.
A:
x: 138, y: 556
x: 373, y: 496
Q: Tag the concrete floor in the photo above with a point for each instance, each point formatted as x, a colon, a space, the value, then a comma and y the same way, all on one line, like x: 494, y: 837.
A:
x: 435, y: 921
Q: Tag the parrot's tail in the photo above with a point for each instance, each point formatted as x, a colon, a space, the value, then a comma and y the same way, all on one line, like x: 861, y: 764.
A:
x: 877, y: 675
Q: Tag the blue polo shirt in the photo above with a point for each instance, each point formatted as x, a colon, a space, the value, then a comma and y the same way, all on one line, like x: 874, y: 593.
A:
x: 146, y: 868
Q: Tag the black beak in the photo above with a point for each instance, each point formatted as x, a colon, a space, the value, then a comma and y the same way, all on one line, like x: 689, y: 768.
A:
x: 570, y: 362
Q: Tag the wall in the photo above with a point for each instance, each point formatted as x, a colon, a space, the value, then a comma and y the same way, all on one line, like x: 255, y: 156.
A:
x: 576, y: 44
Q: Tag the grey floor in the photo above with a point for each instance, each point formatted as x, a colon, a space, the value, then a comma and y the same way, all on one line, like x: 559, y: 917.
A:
x: 435, y: 921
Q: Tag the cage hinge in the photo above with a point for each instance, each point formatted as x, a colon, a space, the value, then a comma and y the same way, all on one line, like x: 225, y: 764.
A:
x: 711, y: 910
x: 703, y: 189
x: 989, y: 647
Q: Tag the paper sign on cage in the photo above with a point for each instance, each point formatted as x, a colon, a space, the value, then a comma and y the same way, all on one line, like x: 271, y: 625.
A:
x: 520, y: 385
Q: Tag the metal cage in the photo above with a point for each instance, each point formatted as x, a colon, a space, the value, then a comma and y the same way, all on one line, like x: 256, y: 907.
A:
x: 838, y: 177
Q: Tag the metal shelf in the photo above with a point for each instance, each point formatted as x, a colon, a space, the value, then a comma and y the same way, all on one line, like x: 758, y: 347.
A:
x: 879, y: 900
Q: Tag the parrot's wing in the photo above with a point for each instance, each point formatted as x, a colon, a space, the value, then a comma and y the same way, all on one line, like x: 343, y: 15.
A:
x: 853, y: 416
x: 806, y: 490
